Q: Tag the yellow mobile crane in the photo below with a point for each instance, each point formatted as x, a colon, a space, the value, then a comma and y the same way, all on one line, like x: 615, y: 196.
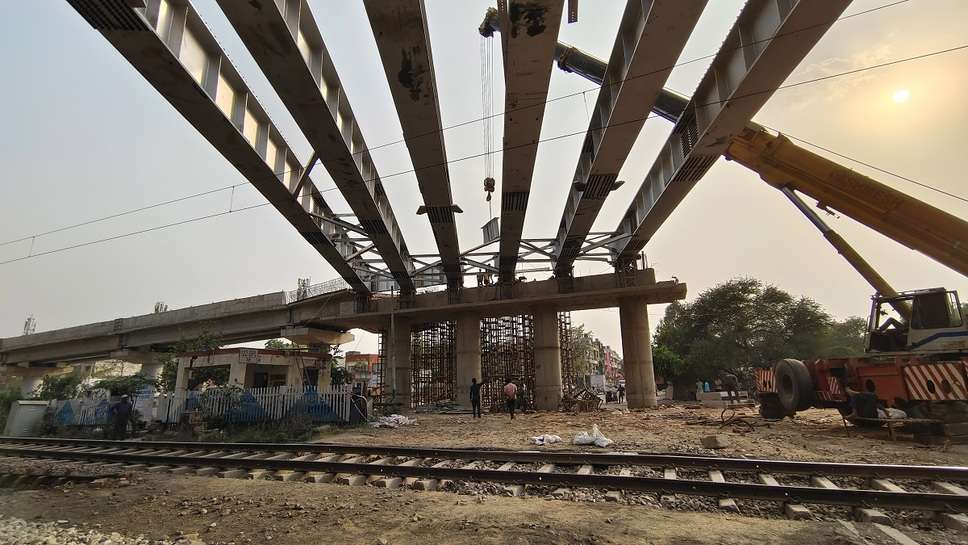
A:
x: 917, y: 341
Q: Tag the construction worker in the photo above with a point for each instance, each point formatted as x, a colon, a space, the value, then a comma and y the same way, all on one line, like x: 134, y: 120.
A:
x: 730, y: 384
x: 475, y: 398
x: 511, y: 395
x: 621, y: 393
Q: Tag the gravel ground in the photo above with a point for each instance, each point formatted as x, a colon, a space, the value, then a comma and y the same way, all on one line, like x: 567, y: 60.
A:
x: 15, y: 531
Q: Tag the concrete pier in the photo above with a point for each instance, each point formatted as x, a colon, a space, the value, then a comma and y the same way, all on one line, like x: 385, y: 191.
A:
x: 468, y: 351
x: 547, y: 361
x: 637, y: 353
x: 398, y: 359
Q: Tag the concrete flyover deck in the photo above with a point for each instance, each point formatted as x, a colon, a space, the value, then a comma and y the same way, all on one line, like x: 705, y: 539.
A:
x: 265, y: 316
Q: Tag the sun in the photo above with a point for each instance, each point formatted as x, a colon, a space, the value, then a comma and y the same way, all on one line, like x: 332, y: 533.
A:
x: 901, y: 95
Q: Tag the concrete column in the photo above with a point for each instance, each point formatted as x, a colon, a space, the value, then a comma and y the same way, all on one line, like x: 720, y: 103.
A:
x: 324, y: 378
x: 181, y: 378
x: 152, y: 370
x: 468, y: 364
x: 637, y: 353
x: 237, y: 374
x: 398, y: 377
x: 547, y: 361
x: 294, y: 377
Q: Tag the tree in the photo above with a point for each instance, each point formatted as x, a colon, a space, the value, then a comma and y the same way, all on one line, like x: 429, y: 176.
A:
x: 127, y: 385
x: 845, y: 338
x: 735, y: 325
x: 206, y: 341
x: 583, y: 350
x: 58, y: 387
x: 282, y: 344
x: 666, y: 362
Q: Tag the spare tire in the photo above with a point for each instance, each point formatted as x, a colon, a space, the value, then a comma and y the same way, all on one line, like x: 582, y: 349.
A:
x: 794, y: 386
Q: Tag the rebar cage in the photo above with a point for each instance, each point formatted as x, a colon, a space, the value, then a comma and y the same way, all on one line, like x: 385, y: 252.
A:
x: 507, y: 353
x: 432, y: 361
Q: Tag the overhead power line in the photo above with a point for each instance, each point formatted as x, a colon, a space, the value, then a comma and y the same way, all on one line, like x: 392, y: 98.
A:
x: 487, y: 114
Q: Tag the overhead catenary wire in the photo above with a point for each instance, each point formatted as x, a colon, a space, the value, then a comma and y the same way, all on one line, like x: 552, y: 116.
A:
x: 543, y: 140
x: 487, y: 115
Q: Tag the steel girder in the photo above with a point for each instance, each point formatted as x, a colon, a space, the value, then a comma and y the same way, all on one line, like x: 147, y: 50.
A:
x: 768, y: 40
x: 289, y: 49
x: 403, y: 39
x: 167, y: 42
x: 529, y: 34
x: 650, y: 38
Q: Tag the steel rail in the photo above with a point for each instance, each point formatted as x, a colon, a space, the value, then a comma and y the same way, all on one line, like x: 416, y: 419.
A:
x: 896, y: 500
x: 789, y: 467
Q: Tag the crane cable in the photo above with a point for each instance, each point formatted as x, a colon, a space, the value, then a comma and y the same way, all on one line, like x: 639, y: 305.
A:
x: 487, y: 117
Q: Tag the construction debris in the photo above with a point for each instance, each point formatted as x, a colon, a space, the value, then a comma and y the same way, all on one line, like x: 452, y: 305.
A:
x: 714, y: 441
x: 596, y: 437
x: 545, y: 439
x: 392, y: 421
x: 582, y: 401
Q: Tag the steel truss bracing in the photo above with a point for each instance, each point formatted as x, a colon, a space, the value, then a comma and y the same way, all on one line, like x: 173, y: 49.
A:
x: 403, y: 38
x: 432, y: 360
x: 528, y: 41
x: 768, y: 40
x: 285, y: 41
x: 507, y: 353
x: 650, y: 38
x: 170, y: 46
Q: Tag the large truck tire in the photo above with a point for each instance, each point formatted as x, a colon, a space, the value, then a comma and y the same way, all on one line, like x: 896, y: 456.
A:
x: 794, y: 386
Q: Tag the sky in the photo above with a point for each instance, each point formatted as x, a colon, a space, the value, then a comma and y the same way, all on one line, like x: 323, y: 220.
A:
x: 85, y: 136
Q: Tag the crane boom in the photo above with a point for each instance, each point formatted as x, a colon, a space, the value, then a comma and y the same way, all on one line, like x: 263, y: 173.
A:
x: 900, y: 217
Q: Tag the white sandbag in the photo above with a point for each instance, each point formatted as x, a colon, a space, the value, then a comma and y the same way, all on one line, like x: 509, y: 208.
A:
x: 895, y: 413
x: 596, y: 437
x: 545, y: 439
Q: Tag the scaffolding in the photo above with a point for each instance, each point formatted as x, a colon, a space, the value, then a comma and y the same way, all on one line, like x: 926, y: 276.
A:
x: 568, y: 375
x: 380, y: 392
x: 432, y: 361
x: 507, y: 353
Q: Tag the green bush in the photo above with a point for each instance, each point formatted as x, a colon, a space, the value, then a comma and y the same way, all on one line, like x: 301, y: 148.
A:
x: 129, y: 385
x: 58, y: 387
x: 8, y: 394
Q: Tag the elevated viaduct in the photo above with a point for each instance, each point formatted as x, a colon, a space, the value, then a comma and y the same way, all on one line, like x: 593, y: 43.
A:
x: 323, y: 319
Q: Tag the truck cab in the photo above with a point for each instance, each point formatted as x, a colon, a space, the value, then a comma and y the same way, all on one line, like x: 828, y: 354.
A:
x: 923, y: 321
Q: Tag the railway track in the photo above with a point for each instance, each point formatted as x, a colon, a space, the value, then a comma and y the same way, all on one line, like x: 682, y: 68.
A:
x: 864, y: 489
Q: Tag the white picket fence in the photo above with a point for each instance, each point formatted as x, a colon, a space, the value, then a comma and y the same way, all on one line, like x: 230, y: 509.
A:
x: 257, y: 404
x: 249, y: 405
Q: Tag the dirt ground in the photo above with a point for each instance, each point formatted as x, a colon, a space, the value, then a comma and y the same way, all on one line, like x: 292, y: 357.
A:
x: 815, y: 435
x: 226, y: 511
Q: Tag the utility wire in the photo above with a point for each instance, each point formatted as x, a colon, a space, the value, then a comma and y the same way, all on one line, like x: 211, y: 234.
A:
x: 508, y: 148
x: 487, y: 115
